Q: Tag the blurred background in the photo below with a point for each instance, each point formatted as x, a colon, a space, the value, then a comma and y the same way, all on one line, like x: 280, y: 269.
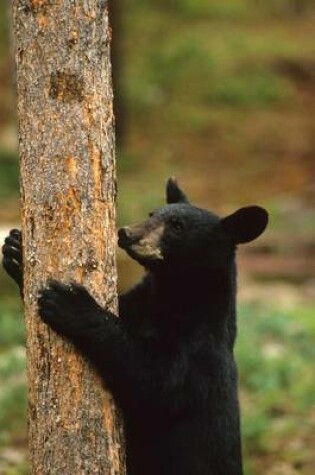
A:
x: 221, y: 94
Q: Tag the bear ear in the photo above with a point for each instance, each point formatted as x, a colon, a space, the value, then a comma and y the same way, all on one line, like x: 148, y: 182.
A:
x: 246, y: 224
x: 173, y: 193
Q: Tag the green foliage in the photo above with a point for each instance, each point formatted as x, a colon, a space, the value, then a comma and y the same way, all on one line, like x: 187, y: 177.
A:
x: 11, y: 321
x: 20, y: 469
x: 249, y: 89
x: 275, y: 351
x: 12, y: 367
x: 4, y: 24
x: 197, y: 62
x: 9, y: 176
x: 229, y: 9
x: 12, y: 327
x: 12, y: 395
x: 147, y: 200
x: 284, y: 7
x: 215, y: 9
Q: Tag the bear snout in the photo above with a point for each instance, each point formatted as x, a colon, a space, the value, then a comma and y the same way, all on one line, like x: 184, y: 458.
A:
x: 129, y: 235
x: 124, y: 237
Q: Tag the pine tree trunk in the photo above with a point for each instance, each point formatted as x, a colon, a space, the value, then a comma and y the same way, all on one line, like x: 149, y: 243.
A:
x: 68, y: 187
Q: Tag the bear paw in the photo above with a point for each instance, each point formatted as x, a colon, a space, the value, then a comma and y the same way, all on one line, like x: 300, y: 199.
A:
x: 68, y: 309
x: 13, y: 256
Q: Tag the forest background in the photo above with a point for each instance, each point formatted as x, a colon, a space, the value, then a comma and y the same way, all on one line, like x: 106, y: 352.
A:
x: 221, y: 94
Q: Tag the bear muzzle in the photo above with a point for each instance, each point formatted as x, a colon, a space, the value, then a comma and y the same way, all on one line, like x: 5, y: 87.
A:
x: 142, y: 241
x: 129, y: 235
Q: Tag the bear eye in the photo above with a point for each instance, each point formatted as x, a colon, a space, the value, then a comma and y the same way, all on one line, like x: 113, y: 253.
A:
x: 152, y: 213
x: 176, y: 224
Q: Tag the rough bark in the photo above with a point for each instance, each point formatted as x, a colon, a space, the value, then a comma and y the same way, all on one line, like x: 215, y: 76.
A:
x: 68, y: 219
x: 120, y: 112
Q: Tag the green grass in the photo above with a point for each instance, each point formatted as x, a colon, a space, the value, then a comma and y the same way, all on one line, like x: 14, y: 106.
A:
x: 12, y: 396
x: 275, y: 351
x: 219, y: 66
x: 254, y: 89
x: 12, y: 372
x: 9, y: 176
x: 230, y: 9
x: 12, y: 326
x: 4, y: 29
x: 20, y: 469
x: 206, y: 99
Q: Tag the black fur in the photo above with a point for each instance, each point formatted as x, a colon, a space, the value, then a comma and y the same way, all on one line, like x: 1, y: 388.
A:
x: 168, y: 359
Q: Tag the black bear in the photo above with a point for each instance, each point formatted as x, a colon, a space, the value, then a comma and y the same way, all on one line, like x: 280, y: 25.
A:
x: 168, y: 359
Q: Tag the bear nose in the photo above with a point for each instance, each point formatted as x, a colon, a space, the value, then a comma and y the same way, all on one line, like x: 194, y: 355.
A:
x: 124, y: 236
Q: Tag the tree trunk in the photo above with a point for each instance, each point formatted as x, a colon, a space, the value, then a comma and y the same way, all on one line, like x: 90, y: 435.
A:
x: 120, y: 112
x: 68, y: 211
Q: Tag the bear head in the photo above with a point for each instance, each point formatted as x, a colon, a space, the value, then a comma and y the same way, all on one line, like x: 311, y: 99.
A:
x: 180, y: 234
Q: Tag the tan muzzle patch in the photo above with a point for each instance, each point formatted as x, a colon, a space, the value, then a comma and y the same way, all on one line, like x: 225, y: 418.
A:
x: 149, y: 246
